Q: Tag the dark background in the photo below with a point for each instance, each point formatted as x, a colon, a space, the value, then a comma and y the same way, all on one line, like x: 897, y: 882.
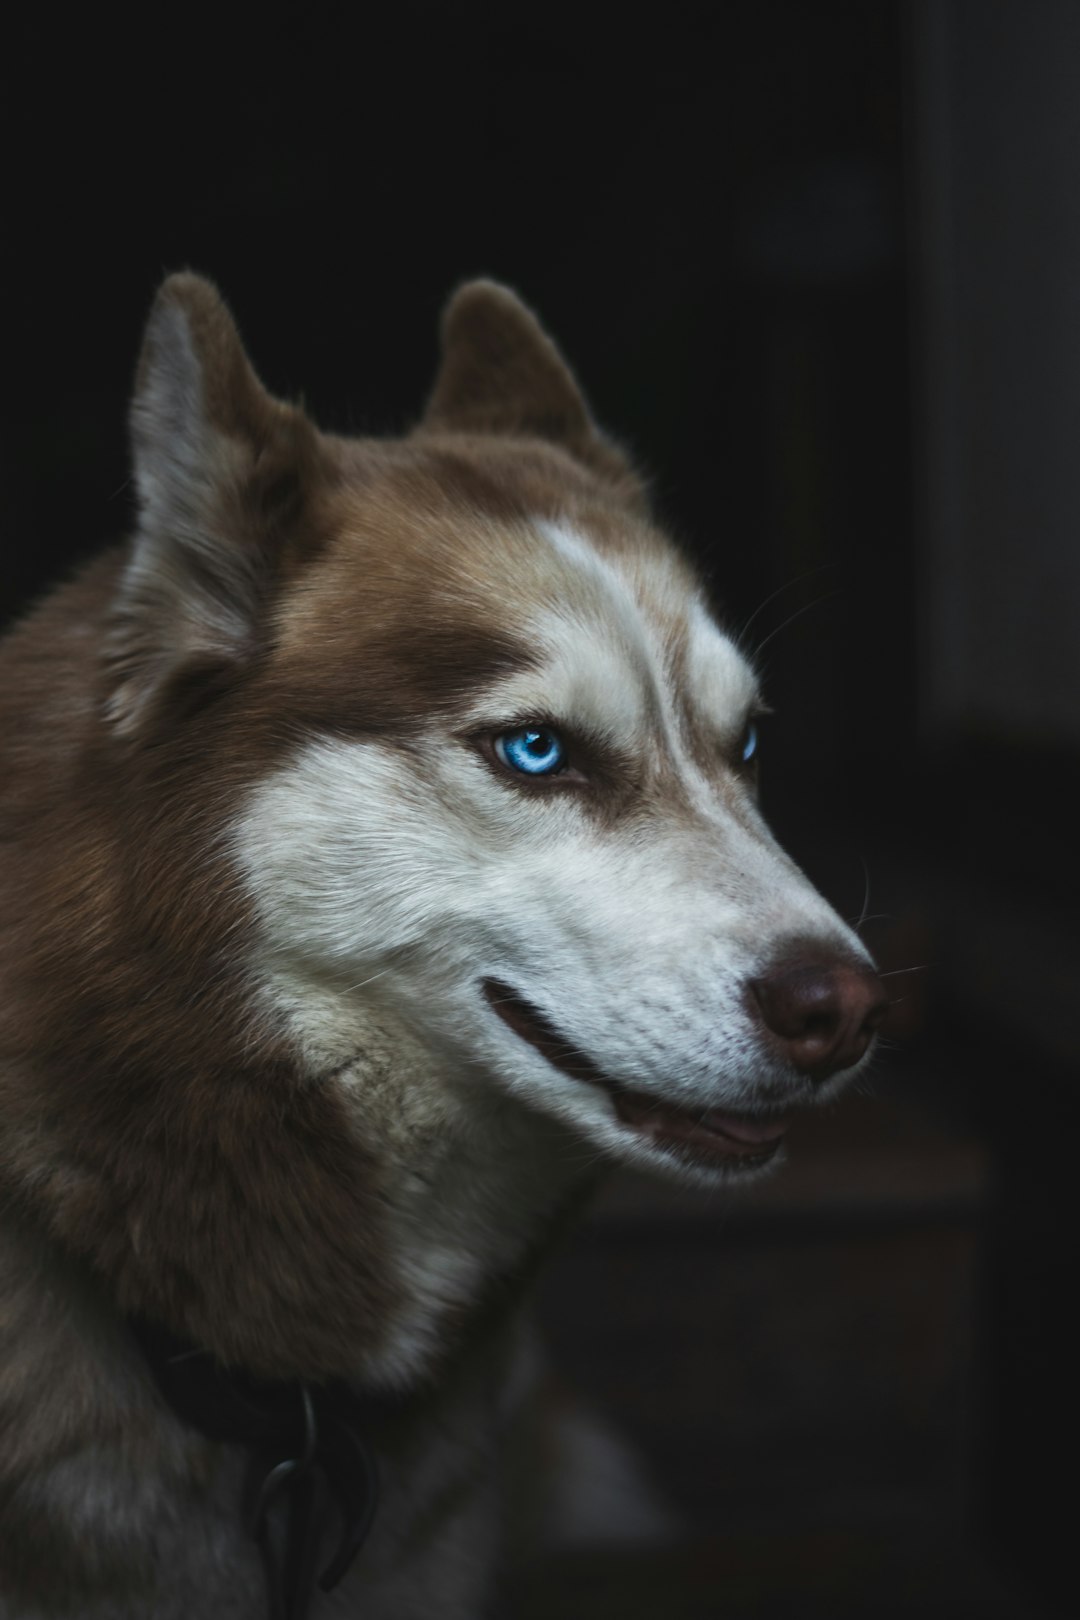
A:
x: 818, y: 265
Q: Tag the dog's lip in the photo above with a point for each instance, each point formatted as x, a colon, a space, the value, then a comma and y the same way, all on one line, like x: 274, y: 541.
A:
x: 713, y: 1133
x: 716, y: 1133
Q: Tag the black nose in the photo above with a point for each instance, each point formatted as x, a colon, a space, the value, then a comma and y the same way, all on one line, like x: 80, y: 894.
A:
x: 823, y: 1011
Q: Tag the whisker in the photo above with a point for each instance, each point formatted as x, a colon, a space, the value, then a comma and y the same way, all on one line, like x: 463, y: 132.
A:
x: 364, y: 982
x: 760, y: 648
x: 866, y: 894
x: 790, y: 584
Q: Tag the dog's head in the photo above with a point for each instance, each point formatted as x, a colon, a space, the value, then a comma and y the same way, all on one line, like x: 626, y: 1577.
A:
x: 497, y: 761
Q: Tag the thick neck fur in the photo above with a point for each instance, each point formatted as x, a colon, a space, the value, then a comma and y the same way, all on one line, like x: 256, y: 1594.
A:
x: 161, y: 1124
x: 300, y: 1205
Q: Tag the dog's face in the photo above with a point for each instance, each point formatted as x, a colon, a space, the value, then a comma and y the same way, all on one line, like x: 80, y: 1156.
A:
x: 555, y: 870
x: 517, y: 810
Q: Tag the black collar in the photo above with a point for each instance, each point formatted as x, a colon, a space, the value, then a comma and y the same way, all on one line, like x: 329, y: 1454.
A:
x: 306, y: 1457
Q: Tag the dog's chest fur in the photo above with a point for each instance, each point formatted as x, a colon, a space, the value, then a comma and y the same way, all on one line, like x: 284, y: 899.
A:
x: 103, y: 1492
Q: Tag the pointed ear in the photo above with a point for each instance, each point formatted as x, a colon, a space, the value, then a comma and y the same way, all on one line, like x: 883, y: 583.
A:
x: 222, y: 472
x: 501, y: 374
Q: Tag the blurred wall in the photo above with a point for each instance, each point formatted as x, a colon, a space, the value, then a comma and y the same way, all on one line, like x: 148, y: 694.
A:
x: 996, y: 144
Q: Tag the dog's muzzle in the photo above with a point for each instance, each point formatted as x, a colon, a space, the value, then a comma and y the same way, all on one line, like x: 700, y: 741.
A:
x: 717, y: 1136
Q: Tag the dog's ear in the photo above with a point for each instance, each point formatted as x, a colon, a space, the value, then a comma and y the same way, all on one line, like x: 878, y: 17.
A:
x: 501, y: 374
x: 222, y: 472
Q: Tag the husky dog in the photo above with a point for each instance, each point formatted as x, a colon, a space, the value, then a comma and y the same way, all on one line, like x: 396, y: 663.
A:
x: 379, y: 854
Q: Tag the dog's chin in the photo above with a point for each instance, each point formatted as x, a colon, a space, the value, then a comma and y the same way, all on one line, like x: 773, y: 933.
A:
x: 652, y: 1131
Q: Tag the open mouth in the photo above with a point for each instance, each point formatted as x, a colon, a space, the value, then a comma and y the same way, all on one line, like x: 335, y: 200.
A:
x: 714, y: 1135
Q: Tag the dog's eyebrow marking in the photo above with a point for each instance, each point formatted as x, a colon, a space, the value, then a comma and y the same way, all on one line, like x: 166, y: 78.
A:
x: 689, y: 685
x: 610, y: 638
x: 723, y: 683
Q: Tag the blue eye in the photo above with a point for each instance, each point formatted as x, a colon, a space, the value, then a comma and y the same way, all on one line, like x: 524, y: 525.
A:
x: 532, y: 750
x: 749, y: 742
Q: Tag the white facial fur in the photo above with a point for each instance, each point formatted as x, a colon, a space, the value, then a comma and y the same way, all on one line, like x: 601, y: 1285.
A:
x: 398, y: 877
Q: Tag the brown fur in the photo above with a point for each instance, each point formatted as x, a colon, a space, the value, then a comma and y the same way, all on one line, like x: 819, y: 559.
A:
x: 503, y: 376
x: 144, y: 1117
x: 148, y: 1116
x: 161, y: 1151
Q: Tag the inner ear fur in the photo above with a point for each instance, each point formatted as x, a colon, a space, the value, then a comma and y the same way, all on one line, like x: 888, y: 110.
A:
x: 501, y: 374
x: 222, y: 473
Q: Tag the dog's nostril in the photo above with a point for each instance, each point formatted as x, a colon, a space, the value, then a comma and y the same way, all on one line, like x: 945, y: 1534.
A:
x: 824, y: 1012
x: 799, y: 999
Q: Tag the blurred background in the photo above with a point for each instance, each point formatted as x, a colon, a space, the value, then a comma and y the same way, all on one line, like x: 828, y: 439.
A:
x: 818, y: 266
